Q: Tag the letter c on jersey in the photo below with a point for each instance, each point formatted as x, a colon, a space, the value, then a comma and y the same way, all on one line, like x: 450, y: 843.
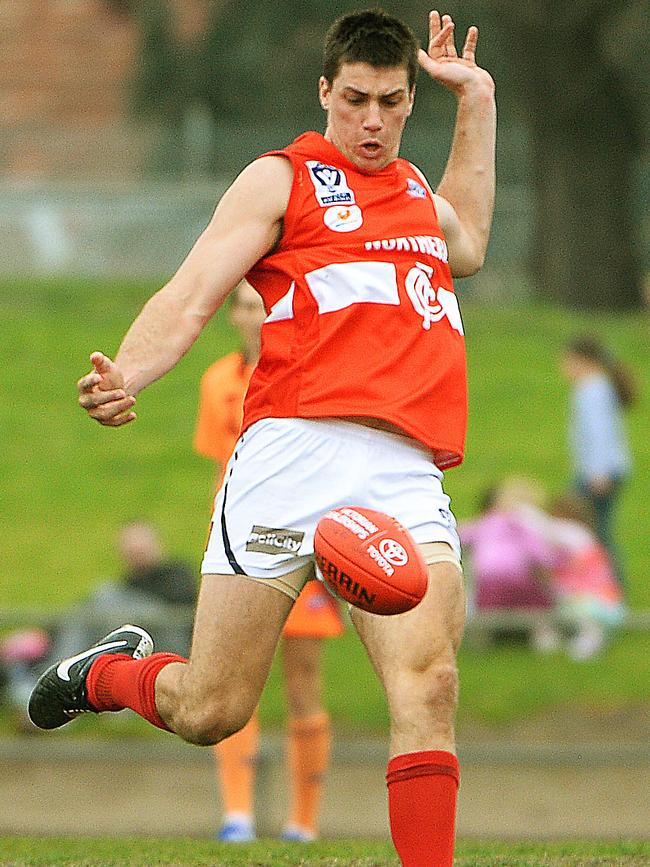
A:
x: 430, y: 305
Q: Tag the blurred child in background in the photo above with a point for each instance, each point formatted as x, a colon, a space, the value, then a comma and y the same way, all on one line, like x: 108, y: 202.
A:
x: 601, y: 389
x: 23, y: 653
x: 519, y: 550
x: 511, y: 561
x: 314, y: 616
x: 588, y: 597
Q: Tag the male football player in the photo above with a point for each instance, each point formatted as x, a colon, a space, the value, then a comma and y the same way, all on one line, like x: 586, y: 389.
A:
x: 358, y: 398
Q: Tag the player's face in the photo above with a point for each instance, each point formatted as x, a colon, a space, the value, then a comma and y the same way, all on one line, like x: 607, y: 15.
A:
x: 574, y: 366
x: 366, y: 112
x: 139, y: 546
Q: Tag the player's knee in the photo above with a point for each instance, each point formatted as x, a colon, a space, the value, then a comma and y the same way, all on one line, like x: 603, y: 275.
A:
x: 205, y: 726
x: 429, y: 692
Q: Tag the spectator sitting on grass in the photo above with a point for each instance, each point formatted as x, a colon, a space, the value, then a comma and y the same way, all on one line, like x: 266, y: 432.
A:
x: 150, y: 583
x: 511, y: 561
x: 589, y: 598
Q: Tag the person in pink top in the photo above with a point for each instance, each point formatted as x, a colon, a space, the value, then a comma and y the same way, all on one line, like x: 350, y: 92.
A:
x: 511, y: 562
x: 589, y: 598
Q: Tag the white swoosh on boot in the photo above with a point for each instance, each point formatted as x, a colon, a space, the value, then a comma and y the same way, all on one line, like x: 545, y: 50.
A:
x: 63, y: 669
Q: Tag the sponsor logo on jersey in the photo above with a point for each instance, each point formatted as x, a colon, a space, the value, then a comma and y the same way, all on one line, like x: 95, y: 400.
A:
x: 271, y: 540
x: 414, y: 189
x: 431, y: 304
x: 330, y: 184
x: 343, y: 219
x: 430, y: 244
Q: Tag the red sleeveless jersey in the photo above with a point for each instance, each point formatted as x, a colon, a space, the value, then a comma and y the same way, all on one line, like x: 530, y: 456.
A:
x: 362, y: 315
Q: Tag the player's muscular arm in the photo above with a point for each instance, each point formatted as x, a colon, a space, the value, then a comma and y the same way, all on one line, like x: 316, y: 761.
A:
x: 246, y: 225
x: 465, y: 195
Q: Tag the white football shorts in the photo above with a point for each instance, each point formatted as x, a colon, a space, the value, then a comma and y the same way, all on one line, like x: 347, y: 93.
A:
x: 285, y: 473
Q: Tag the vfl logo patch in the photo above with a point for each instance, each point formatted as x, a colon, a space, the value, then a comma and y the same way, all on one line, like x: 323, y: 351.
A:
x: 432, y: 305
x: 270, y: 540
x: 414, y: 189
x: 330, y: 184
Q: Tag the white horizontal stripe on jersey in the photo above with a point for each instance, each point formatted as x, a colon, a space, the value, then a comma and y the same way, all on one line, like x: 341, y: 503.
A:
x: 340, y: 285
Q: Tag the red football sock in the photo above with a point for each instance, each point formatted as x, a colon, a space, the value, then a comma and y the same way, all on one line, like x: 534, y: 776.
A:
x: 422, y: 791
x: 116, y: 681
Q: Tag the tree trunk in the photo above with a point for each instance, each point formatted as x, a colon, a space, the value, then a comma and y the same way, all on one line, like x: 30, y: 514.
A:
x: 585, y: 141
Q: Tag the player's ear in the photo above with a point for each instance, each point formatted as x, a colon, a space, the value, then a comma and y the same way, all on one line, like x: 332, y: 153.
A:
x: 411, y: 101
x: 324, y: 91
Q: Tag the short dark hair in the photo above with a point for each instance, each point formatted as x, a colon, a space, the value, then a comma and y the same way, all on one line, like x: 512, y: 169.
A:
x: 373, y: 37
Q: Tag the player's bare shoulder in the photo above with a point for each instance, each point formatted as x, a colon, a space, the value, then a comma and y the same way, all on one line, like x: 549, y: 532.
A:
x: 266, y: 185
x: 252, y: 209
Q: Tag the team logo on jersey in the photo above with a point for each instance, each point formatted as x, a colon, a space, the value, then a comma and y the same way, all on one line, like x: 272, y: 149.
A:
x: 431, y: 304
x: 271, y: 540
x: 343, y: 219
x: 414, y: 189
x: 330, y: 184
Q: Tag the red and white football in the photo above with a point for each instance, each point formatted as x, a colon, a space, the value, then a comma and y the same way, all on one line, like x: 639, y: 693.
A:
x: 370, y: 560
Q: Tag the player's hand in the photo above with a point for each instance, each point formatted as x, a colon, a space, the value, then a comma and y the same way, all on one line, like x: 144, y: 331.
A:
x: 443, y: 63
x: 102, y: 393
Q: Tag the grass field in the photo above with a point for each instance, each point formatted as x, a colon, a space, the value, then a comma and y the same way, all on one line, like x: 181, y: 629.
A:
x: 66, y: 484
x: 21, y: 852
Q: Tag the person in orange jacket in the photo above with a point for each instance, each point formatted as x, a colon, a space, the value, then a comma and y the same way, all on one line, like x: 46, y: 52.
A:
x: 315, y: 616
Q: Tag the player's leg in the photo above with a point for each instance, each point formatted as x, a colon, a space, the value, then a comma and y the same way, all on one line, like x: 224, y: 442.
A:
x: 203, y: 699
x: 414, y: 655
x: 235, y: 758
x: 236, y: 629
x: 309, y: 735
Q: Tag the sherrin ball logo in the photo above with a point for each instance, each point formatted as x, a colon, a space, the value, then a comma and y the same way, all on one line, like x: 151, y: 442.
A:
x: 370, y: 560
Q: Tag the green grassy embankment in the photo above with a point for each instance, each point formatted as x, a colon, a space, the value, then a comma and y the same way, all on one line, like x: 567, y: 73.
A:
x: 67, y: 484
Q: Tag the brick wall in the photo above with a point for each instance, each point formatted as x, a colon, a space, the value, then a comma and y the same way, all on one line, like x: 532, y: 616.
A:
x: 65, y: 73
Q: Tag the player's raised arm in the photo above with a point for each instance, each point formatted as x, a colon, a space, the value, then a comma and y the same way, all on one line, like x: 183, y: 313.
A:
x: 466, y: 192
x: 246, y: 224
